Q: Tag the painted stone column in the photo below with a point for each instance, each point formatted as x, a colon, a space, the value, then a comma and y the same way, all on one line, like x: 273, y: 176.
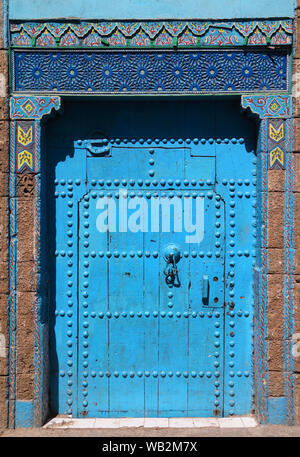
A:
x: 4, y: 168
x: 273, y: 325
x: 296, y: 157
x: 28, y: 326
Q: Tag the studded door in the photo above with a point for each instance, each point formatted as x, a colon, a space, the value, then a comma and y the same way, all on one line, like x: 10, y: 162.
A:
x: 150, y: 339
x: 154, y: 209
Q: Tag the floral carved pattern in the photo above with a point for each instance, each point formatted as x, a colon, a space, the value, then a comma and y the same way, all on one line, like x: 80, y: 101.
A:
x: 149, y: 72
x: 149, y: 33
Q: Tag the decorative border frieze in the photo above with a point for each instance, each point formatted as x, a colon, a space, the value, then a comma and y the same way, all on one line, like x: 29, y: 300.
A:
x: 144, y: 34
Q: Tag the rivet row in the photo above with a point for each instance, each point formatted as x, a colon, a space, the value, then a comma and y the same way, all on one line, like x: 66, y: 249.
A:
x: 147, y: 374
x: 150, y: 141
x: 140, y: 254
x: 131, y: 314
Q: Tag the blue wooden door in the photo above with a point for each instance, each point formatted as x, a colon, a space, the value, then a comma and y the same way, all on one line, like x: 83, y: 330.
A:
x: 150, y: 324
x: 151, y: 316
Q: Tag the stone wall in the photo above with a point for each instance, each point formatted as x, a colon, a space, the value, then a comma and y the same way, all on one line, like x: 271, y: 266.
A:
x: 296, y: 94
x: 4, y: 253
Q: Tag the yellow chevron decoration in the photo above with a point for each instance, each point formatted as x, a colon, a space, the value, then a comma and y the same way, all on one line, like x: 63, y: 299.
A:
x: 25, y: 159
x: 277, y: 155
x: 276, y: 134
x: 24, y: 138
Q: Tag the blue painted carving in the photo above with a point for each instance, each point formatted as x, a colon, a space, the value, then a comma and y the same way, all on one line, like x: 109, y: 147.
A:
x: 149, y: 72
x: 266, y: 107
x: 25, y: 107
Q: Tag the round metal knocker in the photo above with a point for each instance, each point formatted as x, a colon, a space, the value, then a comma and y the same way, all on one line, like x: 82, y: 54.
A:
x: 172, y: 257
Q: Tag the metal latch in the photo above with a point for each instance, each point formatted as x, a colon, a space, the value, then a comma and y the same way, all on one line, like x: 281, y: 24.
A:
x: 98, y: 147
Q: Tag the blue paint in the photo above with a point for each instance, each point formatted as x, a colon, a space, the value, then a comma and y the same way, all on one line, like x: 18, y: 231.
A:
x: 13, y: 296
x: 277, y: 410
x: 156, y: 9
x: 260, y: 292
x: 207, y: 345
x: 289, y: 269
x: 149, y: 72
x: 24, y: 414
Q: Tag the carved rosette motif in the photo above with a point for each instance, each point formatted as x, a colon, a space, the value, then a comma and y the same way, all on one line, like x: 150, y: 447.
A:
x: 146, y: 72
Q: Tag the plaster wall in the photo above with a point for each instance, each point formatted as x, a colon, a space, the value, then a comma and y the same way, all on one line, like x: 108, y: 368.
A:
x: 150, y: 9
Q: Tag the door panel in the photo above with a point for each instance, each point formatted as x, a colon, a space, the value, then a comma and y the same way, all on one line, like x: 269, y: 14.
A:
x: 157, y: 167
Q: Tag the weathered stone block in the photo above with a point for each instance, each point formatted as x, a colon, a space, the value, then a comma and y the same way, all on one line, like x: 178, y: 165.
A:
x: 275, y: 322
x: 297, y: 172
x: 4, y: 180
x: 4, y: 147
x: 4, y: 110
x: 275, y: 260
x: 25, y: 342
x: 3, y: 402
x: 275, y: 353
x: 25, y: 229
x: 276, y: 384
x: 275, y: 219
x: 297, y: 399
x: 297, y: 134
x: 26, y: 278
x: 25, y: 306
x: 276, y: 180
x: 3, y: 231
x: 25, y: 386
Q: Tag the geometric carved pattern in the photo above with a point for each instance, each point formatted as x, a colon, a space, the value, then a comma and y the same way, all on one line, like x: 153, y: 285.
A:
x: 25, y: 184
x: 24, y: 107
x: 276, y: 134
x: 279, y: 106
x: 145, y: 34
x: 25, y: 160
x: 25, y: 146
x: 276, y: 143
x: 146, y: 72
x: 25, y: 138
